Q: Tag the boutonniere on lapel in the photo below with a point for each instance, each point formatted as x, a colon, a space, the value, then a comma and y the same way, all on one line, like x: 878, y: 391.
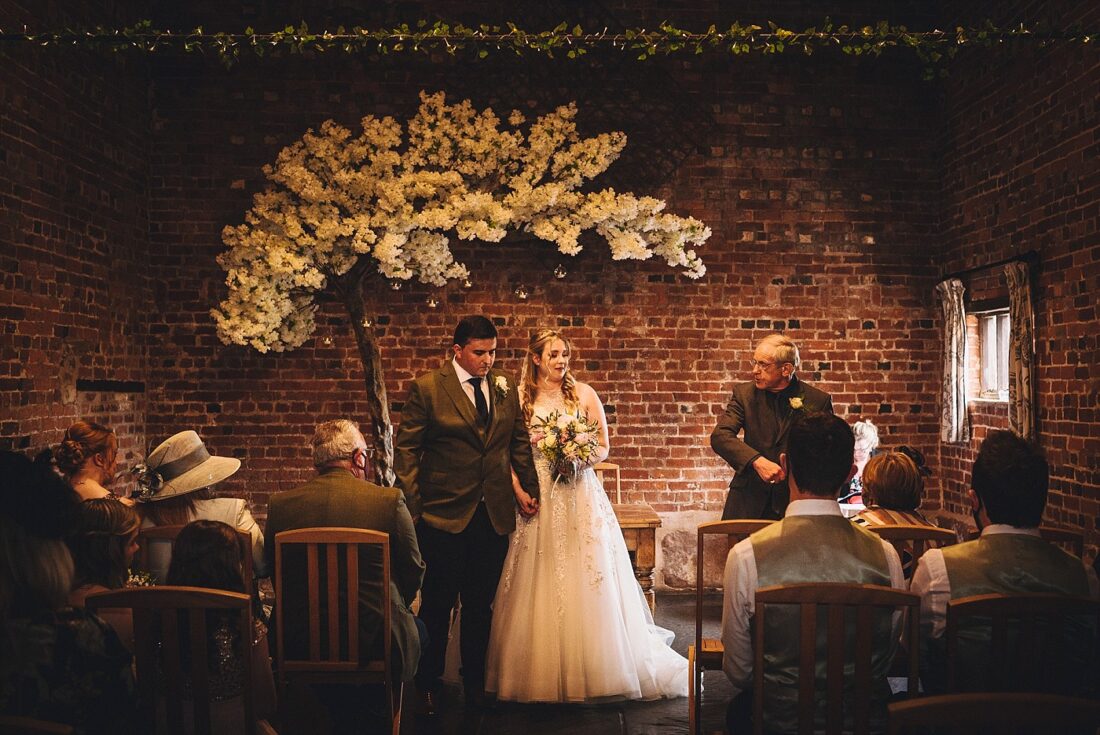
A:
x: 501, y: 385
x: 796, y: 402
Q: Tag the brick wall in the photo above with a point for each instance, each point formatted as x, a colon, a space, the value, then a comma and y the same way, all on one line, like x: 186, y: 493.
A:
x: 819, y: 180
x: 837, y: 192
x: 1019, y: 175
x: 73, y: 232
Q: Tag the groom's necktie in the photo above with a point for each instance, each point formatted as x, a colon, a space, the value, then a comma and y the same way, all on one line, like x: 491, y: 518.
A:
x: 479, y: 401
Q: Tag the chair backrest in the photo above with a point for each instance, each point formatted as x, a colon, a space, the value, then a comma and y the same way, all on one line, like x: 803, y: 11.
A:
x: 1036, y: 643
x: 734, y: 531
x: 1070, y: 540
x: 10, y: 725
x: 994, y: 713
x: 915, y: 539
x: 603, y: 469
x: 868, y: 601
x: 168, y: 534
x: 339, y: 626
x: 171, y: 641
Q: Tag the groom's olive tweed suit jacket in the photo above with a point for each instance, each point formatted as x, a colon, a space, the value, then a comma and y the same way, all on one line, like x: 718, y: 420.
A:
x: 446, y: 463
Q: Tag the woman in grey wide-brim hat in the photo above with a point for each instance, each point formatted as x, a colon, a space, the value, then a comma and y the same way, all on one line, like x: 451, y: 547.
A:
x: 175, y: 487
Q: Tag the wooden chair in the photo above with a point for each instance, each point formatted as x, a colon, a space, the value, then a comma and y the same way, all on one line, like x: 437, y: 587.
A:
x: 835, y: 598
x: 169, y: 534
x: 1070, y: 540
x: 994, y: 713
x: 10, y: 725
x: 339, y: 661
x: 1032, y: 641
x: 914, y: 539
x: 603, y: 469
x: 706, y: 653
x: 159, y: 614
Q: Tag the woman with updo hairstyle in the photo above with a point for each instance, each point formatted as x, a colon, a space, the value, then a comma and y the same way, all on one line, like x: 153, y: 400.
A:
x: 103, y: 545
x: 208, y: 554
x: 86, y: 456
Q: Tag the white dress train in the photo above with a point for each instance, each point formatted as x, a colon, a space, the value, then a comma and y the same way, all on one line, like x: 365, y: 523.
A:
x: 570, y: 622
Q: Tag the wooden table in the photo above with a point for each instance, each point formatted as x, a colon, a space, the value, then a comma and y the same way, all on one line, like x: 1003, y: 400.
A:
x: 639, y: 524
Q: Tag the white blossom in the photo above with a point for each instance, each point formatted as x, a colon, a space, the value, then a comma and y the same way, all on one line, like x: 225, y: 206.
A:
x: 397, y: 196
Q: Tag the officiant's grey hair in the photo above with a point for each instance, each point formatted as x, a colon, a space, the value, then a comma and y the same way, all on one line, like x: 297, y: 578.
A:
x: 335, y: 440
x: 783, y: 348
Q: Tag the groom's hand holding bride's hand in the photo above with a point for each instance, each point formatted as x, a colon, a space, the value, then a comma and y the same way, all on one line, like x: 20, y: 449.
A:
x: 528, y: 506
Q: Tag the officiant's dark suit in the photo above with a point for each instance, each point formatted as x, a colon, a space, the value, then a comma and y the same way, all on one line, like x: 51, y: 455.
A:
x: 455, y: 452
x: 764, y: 408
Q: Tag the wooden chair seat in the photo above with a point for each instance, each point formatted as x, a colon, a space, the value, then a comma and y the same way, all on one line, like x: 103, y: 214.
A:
x: 706, y: 653
x: 169, y: 533
x: 1001, y: 713
x: 914, y: 540
x: 163, y: 617
x: 835, y: 598
x: 1037, y: 642
x: 340, y: 659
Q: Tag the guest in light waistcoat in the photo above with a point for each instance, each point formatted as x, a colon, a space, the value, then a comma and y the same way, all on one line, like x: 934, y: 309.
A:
x: 1008, y: 495
x: 813, y: 543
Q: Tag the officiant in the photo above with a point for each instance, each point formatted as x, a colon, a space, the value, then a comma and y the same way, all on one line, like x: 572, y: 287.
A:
x: 763, y: 408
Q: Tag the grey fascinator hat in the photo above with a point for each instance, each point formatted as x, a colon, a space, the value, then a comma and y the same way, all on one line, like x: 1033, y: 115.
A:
x: 180, y: 465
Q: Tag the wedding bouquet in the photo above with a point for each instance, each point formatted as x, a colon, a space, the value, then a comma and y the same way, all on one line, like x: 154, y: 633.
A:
x: 568, y: 441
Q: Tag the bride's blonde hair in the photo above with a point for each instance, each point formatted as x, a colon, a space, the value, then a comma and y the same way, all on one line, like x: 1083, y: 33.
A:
x: 528, y: 379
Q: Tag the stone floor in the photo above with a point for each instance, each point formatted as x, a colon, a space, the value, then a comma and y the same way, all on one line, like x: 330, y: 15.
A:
x: 676, y: 612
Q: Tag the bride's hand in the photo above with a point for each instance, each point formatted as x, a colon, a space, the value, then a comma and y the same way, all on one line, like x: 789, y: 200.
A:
x: 528, y: 506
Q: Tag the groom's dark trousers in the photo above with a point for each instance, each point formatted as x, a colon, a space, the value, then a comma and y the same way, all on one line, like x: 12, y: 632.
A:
x: 467, y: 563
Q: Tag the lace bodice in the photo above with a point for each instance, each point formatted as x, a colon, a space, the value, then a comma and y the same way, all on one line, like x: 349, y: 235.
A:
x: 546, y: 403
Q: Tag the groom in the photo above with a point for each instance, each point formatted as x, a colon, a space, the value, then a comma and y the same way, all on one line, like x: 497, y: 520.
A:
x: 462, y: 434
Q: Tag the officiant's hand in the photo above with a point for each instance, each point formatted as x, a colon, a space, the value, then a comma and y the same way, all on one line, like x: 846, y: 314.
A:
x: 528, y: 506
x: 769, y: 471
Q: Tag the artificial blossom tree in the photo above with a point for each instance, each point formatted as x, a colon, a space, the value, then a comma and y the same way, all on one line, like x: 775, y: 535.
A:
x: 344, y: 209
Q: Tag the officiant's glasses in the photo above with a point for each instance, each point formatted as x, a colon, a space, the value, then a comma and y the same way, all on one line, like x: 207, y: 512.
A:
x: 760, y: 364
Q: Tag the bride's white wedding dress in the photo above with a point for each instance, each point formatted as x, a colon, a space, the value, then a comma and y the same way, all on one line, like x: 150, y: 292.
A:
x: 570, y: 623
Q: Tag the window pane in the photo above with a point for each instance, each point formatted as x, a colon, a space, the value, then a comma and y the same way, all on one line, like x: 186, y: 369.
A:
x: 989, y: 353
x: 1004, y: 344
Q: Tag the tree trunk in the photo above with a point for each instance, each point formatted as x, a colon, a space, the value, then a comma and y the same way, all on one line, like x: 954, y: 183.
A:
x: 380, y: 430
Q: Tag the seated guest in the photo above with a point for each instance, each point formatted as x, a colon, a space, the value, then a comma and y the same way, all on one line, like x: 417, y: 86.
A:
x: 813, y: 543
x: 207, y: 554
x: 176, y: 484
x: 866, y: 435
x: 1008, y: 495
x: 86, y: 456
x: 893, y: 487
x: 103, y: 543
x: 892, y: 491
x: 56, y: 663
x: 340, y: 495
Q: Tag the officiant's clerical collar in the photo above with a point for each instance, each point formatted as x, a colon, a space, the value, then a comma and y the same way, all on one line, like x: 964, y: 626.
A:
x: 791, y: 390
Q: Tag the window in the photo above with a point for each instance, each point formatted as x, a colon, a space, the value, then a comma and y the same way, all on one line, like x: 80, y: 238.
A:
x: 993, y: 340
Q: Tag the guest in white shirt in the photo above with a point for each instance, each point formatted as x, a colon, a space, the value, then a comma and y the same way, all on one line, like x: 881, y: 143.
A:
x: 1008, y: 495
x: 813, y: 543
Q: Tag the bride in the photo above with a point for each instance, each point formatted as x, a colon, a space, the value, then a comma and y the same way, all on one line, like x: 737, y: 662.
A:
x: 570, y: 623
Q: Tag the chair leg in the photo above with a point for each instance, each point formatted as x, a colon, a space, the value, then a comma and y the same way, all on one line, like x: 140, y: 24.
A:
x: 693, y: 693
x: 395, y: 708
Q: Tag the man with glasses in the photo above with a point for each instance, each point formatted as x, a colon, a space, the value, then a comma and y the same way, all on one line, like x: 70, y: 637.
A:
x: 764, y: 408
x: 341, y: 496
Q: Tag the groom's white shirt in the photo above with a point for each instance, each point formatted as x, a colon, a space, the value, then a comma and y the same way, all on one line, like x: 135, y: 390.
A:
x: 467, y: 387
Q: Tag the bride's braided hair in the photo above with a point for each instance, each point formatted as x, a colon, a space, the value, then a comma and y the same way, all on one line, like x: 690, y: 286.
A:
x: 529, y: 376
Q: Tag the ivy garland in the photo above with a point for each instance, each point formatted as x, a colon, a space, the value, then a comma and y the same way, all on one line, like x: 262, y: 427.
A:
x: 932, y: 47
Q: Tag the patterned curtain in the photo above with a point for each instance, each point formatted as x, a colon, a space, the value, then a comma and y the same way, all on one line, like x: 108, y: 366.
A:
x: 1021, y: 355
x: 953, y: 421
